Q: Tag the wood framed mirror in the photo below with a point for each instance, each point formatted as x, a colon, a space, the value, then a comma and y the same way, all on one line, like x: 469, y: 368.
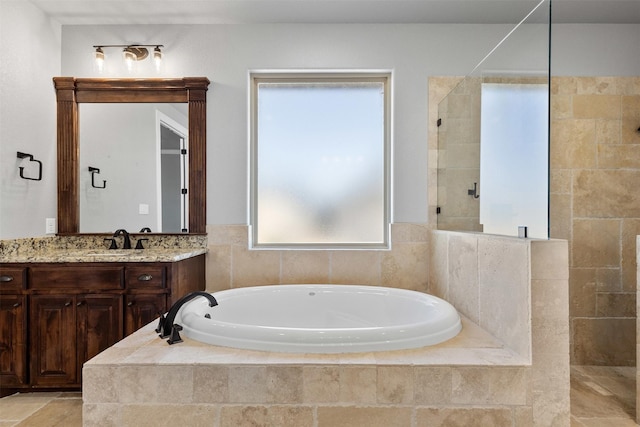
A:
x: 71, y: 91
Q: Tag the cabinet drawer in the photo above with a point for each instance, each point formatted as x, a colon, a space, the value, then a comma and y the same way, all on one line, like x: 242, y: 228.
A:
x: 77, y: 276
x: 145, y: 276
x: 12, y: 278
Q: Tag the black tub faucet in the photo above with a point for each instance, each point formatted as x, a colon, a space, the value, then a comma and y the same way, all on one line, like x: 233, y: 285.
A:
x: 127, y: 239
x: 166, y: 327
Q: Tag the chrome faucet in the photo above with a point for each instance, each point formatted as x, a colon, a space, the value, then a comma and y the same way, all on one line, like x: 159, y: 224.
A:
x: 127, y: 239
x: 166, y: 327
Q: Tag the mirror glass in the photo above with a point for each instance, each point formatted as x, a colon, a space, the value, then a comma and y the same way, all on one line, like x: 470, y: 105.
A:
x: 493, y: 138
x: 133, y: 167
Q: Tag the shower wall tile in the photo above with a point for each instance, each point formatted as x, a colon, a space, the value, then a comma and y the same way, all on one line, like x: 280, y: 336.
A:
x: 610, y: 304
x: 604, y: 341
x: 576, y: 148
x: 582, y: 292
x: 630, y: 230
x: 596, y: 243
x: 596, y: 106
x: 606, y: 193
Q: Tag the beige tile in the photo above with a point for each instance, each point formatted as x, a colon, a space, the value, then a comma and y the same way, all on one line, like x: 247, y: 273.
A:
x: 218, y: 269
x: 349, y: 416
x: 101, y: 415
x: 358, y: 385
x: 21, y: 405
x: 284, y: 384
x: 609, y: 279
x: 395, y: 385
x: 608, y: 132
x: 251, y: 416
x: 596, y: 243
x: 582, y: 292
x: 613, y: 189
x: 597, y: 106
x: 551, y: 409
x: 609, y: 304
x: 137, y: 383
x: 549, y: 260
x: 98, y: 386
x: 604, y: 341
x: 227, y: 235
x: 210, y: 384
x: 572, y: 144
x: 247, y: 384
x: 168, y: 415
x: 439, y: 264
x: 504, y: 292
x: 560, y: 216
x: 494, y: 385
x: 409, y: 232
x: 305, y: 267
x: 562, y: 106
x: 252, y: 268
x: 467, y: 417
x: 432, y: 385
x: 406, y: 266
x: 355, y: 267
x: 57, y: 413
x: 630, y: 229
x: 321, y: 384
x: 463, y: 275
x: 618, y: 156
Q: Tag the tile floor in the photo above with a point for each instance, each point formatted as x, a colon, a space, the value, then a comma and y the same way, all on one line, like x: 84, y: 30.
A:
x: 600, y: 397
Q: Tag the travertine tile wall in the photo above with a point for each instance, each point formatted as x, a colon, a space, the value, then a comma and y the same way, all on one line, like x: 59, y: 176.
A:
x: 595, y: 176
x: 230, y: 264
x: 517, y: 289
x: 637, y: 330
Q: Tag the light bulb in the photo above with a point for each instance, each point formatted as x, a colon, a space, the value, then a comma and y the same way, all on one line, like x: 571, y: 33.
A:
x: 99, y: 59
x: 129, y: 59
x: 157, y: 57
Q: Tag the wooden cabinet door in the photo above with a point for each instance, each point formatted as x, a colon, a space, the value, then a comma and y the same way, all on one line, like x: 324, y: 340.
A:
x: 53, y: 340
x: 13, y: 340
x: 99, y: 324
x: 140, y: 309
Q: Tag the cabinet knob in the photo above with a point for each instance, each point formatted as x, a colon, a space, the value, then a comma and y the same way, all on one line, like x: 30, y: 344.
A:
x: 79, y: 303
x: 17, y: 304
x: 130, y: 303
x: 145, y: 277
x: 67, y: 304
x: 6, y: 278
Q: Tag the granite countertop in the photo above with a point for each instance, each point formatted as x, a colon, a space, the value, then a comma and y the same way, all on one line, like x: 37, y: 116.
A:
x: 103, y: 255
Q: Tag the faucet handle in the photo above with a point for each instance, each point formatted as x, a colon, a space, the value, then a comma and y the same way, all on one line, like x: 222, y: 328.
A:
x: 175, y: 336
x: 113, y: 244
x: 139, y: 243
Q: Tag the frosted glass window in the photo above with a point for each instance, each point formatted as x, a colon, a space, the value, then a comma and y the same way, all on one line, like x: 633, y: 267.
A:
x: 514, y: 153
x: 319, y: 166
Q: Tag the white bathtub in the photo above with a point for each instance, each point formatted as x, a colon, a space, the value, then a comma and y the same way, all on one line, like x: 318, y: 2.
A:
x: 320, y: 319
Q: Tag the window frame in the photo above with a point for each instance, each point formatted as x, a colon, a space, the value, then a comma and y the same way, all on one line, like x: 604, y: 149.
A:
x: 257, y: 77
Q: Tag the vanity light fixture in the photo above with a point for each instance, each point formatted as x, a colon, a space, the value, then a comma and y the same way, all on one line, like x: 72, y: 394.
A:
x: 131, y: 53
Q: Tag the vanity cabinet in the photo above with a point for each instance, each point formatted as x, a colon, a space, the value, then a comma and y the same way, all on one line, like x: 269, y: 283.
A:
x: 56, y: 316
x: 13, y: 331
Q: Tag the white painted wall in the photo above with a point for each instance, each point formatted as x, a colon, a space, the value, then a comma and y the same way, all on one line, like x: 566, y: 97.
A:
x: 225, y: 54
x: 29, y: 58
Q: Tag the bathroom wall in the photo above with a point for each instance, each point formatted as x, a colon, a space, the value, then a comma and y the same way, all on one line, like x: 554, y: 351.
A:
x: 595, y: 174
x: 30, y: 52
x: 230, y: 264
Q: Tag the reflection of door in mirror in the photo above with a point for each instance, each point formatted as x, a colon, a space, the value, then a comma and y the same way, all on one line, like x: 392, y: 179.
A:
x: 122, y: 140
x: 173, y: 188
